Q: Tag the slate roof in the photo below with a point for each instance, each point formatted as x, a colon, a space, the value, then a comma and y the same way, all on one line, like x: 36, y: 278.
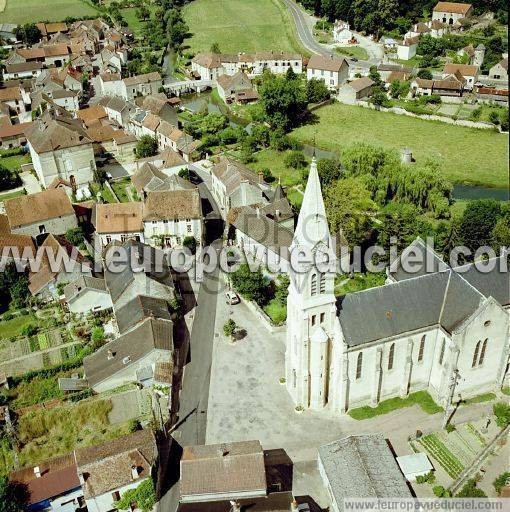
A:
x: 58, y: 476
x: 137, y: 343
x: 223, y: 468
x: 38, y: 207
x: 149, y: 178
x: 140, y: 308
x: 84, y: 283
x: 107, y: 467
x: 442, y: 298
x: 232, y: 173
x: 172, y: 204
x: 362, y: 467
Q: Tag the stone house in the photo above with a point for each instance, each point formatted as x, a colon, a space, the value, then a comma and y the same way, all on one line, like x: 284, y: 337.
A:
x: 334, y: 71
x: 151, y: 177
x: 118, y: 221
x: 13, y: 135
x: 451, y: 13
x: 170, y: 216
x: 60, y: 148
x: 342, y: 33
x: 118, y: 109
x: 500, y: 70
x: 229, y: 86
x: 110, y: 84
x: 407, y: 48
x: 140, y: 85
x: 22, y: 70
x: 49, y: 211
x: 13, y: 98
x: 108, y: 470
x: 87, y: 294
x: 356, y: 90
x: 468, y: 72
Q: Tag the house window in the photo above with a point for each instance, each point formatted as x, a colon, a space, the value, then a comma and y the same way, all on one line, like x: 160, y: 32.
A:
x: 475, y: 354
x: 391, y: 356
x: 188, y: 228
x: 482, y: 353
x: 314, y: 318
x: 441, y: 354
x: 313, y: 285
x: 359, y: 365
x: 421, y: 350
x: 108, y: 239
x: 322, y: 317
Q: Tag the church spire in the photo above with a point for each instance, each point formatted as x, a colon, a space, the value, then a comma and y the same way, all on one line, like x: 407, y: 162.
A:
x: 312, y: 225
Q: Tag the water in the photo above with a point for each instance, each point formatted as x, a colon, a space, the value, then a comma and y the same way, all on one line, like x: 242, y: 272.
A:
x: 477, y: 192
x: 319, y: 153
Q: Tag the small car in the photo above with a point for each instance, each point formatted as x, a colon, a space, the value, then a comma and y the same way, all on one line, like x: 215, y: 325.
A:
x: 232, y: 298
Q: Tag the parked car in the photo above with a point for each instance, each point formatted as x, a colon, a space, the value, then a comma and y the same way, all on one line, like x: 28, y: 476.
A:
x: 232, y: 298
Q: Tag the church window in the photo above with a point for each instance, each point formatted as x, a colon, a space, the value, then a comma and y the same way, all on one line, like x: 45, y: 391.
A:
x: 313, y: 285
x: 322, y: 283
x: 314, y: 317
x: 294, y: 378
x: 482, y: 353
x: 322, y: 317
x: 441, y: 354
x: 359, y: 365
x: 421, y: 350
x: 391, y: 356
x: 475, y: 354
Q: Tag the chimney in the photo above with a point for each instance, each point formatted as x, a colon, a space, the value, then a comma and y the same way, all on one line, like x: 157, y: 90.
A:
x: 134, y: 472
x: 109, y: 355
x: 37, y: 472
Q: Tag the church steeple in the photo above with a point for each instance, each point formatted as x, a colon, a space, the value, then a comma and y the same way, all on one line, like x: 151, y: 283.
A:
x: 312, y: 226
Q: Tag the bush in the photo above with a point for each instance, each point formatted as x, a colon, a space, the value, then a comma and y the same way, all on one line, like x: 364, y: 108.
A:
x: 144, y: 495
x: 450, y: 427
x: 502, y: 412
x: 75, y: 236
x: 429, y: 478
x: 494, y: 117
x: 190, y: 243
x: 29, y: 330
x: 470, y: 490
x: 501, y: 481
x: 295, y: 160
x: 146, y: 146
x: 441, y: 492
x: 229, y: 328
x: 7, y: 317
x: 251, y: 285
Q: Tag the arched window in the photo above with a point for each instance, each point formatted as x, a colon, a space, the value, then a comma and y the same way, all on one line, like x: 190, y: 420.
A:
x: 359, y: 365
x: 391, y: 356
x: 422, y: 349
x: 313, y: 285
x: 441, y: 354
x: 322, y: 283
x: 475, y: 354
x: 482, y: 353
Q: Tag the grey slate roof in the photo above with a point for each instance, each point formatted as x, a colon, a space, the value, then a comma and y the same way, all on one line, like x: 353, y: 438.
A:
x: 84, y: 283
x: 140, y: 308
x: 362, y: 467
x: 442, y: 298
x: 150, y: 335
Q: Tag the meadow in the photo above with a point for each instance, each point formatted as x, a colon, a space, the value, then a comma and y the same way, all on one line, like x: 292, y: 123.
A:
x: 25, y: 11
x: 466, y: 155
x: 240, y: 26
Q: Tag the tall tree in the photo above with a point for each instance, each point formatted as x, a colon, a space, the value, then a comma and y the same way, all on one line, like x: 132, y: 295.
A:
x: 478, y: 221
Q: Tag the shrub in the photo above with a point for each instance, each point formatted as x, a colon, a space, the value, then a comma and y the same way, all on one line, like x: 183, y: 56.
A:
x: 146, y: 146
x: 29, y: 330
x: 450, y: 427
x: 295, y: 160
x: 441, y: 492
x: 470, y: 490
x: 144, y: 496
x: 190, y: 243
x: 502, y: 412
x: 229, y: 328
x: 494, y: 117
x: 7, y: 317
x: 501, y: 481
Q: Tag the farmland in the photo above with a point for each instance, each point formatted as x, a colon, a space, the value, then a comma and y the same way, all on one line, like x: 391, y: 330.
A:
x: 240, y: 26
x: 456, y: 148
x: 25, y: 11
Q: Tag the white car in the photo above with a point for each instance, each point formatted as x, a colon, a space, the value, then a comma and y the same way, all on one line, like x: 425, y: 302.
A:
x: 232, y: 298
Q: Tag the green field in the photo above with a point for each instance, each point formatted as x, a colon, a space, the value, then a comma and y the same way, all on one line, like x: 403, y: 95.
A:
x: 352, y: 51
x: 11, y: 328
x: 24, y: 11
x: 129, y: 14
x: 240, y: 26
x: 466, y: 155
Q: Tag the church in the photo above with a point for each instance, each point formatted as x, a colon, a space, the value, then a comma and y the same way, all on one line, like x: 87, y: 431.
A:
x: 444, y: 331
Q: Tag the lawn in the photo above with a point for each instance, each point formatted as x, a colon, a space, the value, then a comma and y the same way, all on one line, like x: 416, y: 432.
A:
x: 358, y: 283
x: 276, y: 311
x: 352, y: 51
x: 129, y: 14
x: 25, y: 11
x: 9, y: 195
x: 421, y: 398
x: 466, y: 155
x: 12, y: 328
x: 120, y: 189
x: 13, y: 163
x: 240, y: 26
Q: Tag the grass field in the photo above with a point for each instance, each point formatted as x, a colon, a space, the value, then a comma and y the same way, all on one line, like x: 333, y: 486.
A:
x: 240, y: 26
x: 24, y: 11
x: 11, y: 328
x: 352, y: 51
x: 466, y: 155
x: 129, y: 14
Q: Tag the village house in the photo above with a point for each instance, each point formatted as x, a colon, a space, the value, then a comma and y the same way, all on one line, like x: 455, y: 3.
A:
x: 385, y: 70
x: 433, y: 28
x: 333, y: 71
x: 407, y: 48
x: 171, y: 216
x: 110, y: 84
x: 118, y: 109
x: 159, y: 105
x: 49, y: 211
x: 150, y: 177
x: 23, y: 244
x: 342, y: 33
x: 13, y: 98
x: 468, y: 72
x: 356, y: 90
x: 87, y: 294
x: 210, y: 66
x: 492, y: 95
x: 500, y: 70
x: 118, y: 221
x: 45, y: 281
x: 452, y: 86
x: 108, y: 470
x: 230, y: 86
x: 13, y: 135
x: 52, y: 485
x: 451, y: 13
x: 140, y: 85
x: 361, y: 466
x: 22, y: 70
x: 60, y: 148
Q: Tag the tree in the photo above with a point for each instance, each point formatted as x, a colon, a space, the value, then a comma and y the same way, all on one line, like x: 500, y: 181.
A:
x: 425, y: 74
x: 349, y: 207
x: 399, y: 89
x: 28, y: 33
x: 379, y: 97
x: 478, y: 221
x: 215, y: 48
x: 283, y: 101
x: 146, y: 146
x: 184, y: 173
x: 282, y: 289
x: 75, y: 236
x: 8, y: 179
x: 501, y: 232
x: 142, y: 13
x: 502, y: 412
x: 316, y: 91
x: 13, y: 495
x: 251, y: 285
x: 97, y: 337
x: 144, y: 495
x: 329, y: 170
x: 229, y: 328
x: 13, y: 287
x: 501, y: 481
x: 375, y: 76
x: 470, y: 490
x: 295, y: 160
x: 190, y: 243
